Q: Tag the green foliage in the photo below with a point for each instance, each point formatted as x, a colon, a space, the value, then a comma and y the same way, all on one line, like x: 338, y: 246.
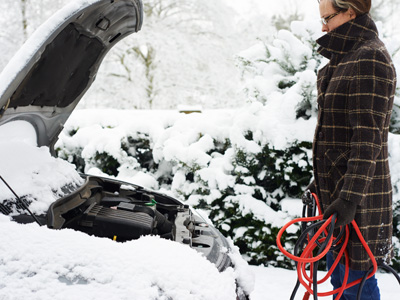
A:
x: 268, y: 176
x: 287, y: 170
x: 106, y: 163
x: 140, y: 148
x: 275, y: 174
x: 73, y: 157
x: 396, y: 234
x: 283, y: 22
x: 288, y: 72
x: 286, y: 83
x: 136, y: 147
x: 255, y: 239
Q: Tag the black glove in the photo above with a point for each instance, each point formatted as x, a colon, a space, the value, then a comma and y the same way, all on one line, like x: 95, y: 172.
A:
x: 345, y: 210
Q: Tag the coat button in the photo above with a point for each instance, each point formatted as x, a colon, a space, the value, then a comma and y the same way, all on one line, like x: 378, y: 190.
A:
x: 320, y: 134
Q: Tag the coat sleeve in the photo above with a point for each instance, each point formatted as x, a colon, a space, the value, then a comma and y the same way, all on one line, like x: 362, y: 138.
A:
x: 369, y: 94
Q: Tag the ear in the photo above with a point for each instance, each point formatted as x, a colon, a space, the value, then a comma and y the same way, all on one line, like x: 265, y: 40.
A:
x: 352, y: 14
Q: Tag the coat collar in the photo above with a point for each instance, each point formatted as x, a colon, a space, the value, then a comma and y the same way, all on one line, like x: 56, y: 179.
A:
x: 347, y: 37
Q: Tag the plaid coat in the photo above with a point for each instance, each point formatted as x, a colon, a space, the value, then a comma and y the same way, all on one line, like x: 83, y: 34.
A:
x: 350, y: 149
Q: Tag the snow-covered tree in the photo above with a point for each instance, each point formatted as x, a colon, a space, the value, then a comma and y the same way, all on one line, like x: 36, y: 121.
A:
x: 183, y: 55
x: 289, y: 62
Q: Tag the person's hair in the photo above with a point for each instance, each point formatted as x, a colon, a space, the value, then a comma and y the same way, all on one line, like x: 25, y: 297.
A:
x: 360, y: 7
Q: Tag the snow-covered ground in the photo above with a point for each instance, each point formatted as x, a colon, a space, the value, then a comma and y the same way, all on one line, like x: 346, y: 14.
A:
x: 274, y: 283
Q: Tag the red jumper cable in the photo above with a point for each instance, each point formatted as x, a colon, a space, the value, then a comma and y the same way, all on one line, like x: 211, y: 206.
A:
x: 322, y: 238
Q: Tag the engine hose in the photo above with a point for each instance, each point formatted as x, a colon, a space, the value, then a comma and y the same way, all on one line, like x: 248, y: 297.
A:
x: 163, y: 224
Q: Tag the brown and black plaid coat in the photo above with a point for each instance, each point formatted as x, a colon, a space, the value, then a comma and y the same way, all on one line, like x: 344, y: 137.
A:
x: 350, y: 149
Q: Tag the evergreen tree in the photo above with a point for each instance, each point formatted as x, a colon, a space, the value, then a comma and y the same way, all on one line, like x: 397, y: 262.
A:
x: 290, y: 63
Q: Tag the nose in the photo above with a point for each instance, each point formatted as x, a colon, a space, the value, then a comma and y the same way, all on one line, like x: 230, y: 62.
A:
x: 325, y: 28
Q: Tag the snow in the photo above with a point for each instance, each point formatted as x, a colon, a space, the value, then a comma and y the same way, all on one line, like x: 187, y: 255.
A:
x: 19, y: 131
x: 30, y: 170
x: 270, y: 8
x: 276, y: 283
x: 47, y: 264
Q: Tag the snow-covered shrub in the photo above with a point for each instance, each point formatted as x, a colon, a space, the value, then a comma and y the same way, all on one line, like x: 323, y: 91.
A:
x: 207, y: 160
x: 220, y: 162
x: 286, y: 66
x: 247, y: 211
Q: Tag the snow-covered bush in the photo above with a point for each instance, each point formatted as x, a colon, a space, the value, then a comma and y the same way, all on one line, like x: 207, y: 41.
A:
x: 217, y: 161
x: 213, y: 161
x: 287, y: 66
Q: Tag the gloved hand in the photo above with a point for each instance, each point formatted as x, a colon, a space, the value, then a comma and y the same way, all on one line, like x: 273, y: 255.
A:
x: 345, y: 210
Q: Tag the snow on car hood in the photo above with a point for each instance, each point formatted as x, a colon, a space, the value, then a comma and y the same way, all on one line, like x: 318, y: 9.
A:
x: 30, y: 170
x: 48, y: 76
x: 48, y: 264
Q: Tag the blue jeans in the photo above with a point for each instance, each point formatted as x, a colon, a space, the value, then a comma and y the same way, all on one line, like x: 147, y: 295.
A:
x: 370, y: 290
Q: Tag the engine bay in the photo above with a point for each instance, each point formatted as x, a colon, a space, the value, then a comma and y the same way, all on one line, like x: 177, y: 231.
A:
x: 120, y: 211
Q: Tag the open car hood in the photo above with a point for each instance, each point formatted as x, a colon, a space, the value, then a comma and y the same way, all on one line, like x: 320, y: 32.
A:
x: 48, y: 76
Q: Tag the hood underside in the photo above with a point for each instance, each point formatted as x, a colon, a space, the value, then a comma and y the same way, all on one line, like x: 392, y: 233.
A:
x: 61, y: 68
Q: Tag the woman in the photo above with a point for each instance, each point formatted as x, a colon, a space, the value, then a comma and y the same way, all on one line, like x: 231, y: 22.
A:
x: 350, y: 149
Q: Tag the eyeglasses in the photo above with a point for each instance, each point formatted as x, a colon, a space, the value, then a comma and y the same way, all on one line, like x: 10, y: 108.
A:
x: 326, y: 19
